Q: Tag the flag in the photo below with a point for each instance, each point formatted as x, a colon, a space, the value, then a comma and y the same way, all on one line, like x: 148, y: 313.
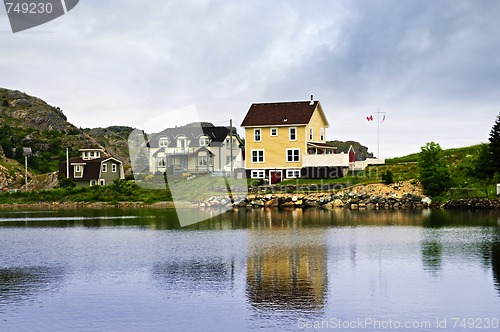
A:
x: 383, y: 119
x: 369, y: 118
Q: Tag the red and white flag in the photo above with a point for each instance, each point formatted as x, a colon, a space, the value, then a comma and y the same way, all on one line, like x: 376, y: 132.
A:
x: 369, y: 118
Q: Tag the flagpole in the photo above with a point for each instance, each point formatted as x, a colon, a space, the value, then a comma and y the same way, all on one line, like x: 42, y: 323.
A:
x: 370, y: 118
x: 378, y: 128
x: 378, y: 132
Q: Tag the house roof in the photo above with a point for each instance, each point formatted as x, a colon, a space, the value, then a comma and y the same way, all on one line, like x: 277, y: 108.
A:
x: 281, y: 113
x: 217, y: 135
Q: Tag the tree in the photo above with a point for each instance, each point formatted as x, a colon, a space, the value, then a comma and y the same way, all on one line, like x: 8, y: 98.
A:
x: 494, y: 160
x: 65, y: 182
x: 387, y: 177
x: 434, y: 174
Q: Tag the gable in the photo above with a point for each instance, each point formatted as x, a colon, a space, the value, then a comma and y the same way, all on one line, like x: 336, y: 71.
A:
x: 281, y: 114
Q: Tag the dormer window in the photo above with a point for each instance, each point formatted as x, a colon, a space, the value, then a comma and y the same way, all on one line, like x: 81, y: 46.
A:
x: 163, y: 142
x: 182, y: 143
x: 204, y: 141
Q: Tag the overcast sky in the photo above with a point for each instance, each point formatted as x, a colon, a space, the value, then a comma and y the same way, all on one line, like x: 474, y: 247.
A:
x: 432, y: 66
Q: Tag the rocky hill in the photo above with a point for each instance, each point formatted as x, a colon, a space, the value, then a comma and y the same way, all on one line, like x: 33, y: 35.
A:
x: 361, y: 150
x: 28, y: 121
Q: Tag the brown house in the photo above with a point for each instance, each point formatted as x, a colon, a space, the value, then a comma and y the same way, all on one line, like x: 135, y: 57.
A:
x: 92, y: 168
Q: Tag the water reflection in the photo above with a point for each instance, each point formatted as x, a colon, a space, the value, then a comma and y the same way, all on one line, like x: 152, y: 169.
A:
x: 212, y: 275
x: 495, y: 263
x: 432, y: 251
x: 18, y: 285
x: 286, y: 265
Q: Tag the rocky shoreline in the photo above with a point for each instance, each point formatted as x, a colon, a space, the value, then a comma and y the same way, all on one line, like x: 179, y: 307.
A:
x: 402, y: 195
x: 324, y: 200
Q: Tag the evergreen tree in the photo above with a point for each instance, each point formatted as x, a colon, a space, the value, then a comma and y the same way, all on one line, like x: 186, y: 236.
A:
x: 494, y: 160
x: 434, y: 174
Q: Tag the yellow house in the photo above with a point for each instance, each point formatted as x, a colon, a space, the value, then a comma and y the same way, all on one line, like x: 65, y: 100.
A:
x: 288, y: 140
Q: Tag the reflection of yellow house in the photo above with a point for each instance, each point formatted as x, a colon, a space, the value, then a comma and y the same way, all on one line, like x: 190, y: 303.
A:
x: 288, y: 278
x: 284, y: 269
x: 288, y: 140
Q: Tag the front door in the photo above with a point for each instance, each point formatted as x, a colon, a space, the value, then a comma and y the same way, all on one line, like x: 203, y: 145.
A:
x: 275, y: 176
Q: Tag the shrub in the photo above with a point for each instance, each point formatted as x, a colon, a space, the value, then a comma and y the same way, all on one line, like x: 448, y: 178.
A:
x: 387, y: 177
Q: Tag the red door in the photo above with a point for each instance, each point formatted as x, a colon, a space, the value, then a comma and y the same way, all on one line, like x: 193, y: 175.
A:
x: 275, y: 176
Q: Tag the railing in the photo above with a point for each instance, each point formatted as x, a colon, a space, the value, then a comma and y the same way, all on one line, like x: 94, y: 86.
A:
x: 186, y: 150
x: 332, y: 160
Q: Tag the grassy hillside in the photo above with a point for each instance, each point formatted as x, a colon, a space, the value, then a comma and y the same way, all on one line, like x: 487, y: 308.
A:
x: 461, y: 162
x: 28, y: 121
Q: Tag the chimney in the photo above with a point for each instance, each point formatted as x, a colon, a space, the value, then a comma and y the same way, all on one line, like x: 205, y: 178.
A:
x: 312, y: 100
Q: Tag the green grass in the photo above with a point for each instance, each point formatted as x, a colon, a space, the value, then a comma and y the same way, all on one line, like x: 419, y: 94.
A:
x: 114, y: 192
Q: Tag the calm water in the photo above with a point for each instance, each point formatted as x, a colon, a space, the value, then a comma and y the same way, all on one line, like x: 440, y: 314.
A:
x: 132, y: 270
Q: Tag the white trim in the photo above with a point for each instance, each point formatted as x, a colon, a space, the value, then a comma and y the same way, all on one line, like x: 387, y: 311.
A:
x: 205, y: 139
x: 260, y: 134
x: 290, y: 134
x: 104, y: 167
x: 78, y: 169
x: 290, y: 173
x: 113, y: 168
x: 293, y: 155
x: 271, y: 131
x: 263, y: 156
x: 257, y: 174
x: 102, y: 182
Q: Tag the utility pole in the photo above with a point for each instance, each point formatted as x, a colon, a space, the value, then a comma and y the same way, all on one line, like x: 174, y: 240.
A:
x: 231, y: 143
x: 67, y: 163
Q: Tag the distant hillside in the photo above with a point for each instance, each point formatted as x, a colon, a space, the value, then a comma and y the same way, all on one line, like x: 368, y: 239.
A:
x: 28, y: 121
x: 115, y: 140
x: 361, y: 150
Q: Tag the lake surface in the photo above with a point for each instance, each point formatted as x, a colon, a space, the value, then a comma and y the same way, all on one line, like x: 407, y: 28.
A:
x: 271, y: 270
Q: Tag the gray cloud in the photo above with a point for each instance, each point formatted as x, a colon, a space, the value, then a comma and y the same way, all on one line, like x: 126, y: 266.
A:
x: 431, y: 65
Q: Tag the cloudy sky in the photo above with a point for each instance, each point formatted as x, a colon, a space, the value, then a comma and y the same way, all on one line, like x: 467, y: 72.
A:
x: 432, y: 66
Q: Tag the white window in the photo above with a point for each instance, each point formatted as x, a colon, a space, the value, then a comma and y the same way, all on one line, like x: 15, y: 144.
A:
x: 257, y: 174
x: 102, y: 182
x: 204, y: 141
x: 91, y: 153
x: 228, y: 144
x: 182, y: 143
x: 161, y: 162
x: 274, y: 131
x: 202, y: 161
x: 93, y: 182
x: 293, y: 133
x: 104, y: 168
x: 113, y: 168
x: 257, y: 135
x: 228, y: 160
x: 163, y: 142
x: 293, y: 173
x: 322, y: 134
x: 293, y: 155
x: 311, y: 133
x: 78, y: 171
x: 257, y: 156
